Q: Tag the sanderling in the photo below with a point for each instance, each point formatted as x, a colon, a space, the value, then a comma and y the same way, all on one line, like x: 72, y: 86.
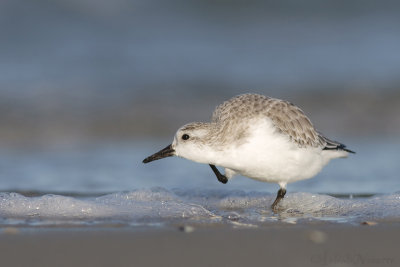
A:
x: 263, y: 138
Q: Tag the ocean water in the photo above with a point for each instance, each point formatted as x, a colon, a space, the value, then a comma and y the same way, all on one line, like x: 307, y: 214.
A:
x: 93, y: 50
x: 161, y: 207
x: 107, y: 185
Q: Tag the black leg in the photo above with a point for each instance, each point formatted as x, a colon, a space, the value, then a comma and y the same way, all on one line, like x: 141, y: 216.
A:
x: 279, y: 196
x: 220, y: 177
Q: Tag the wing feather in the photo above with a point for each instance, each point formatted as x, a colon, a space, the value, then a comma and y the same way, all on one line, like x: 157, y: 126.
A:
x: 287, y: 118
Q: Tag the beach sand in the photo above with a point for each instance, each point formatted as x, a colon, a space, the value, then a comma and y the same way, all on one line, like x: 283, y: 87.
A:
x: 274, y: 245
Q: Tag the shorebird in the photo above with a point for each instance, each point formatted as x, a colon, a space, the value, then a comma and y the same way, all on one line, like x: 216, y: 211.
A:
x: 260, y: 137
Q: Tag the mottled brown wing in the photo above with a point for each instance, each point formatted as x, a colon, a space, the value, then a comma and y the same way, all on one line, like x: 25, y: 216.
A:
x: 288, y: 118
x: 291, y: 120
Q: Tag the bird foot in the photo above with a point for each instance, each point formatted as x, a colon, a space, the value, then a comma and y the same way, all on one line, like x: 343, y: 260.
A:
x: 221, y: 178
x: 280, y: 195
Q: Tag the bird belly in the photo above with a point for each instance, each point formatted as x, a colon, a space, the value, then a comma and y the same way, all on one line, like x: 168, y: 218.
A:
x: 270, y: 156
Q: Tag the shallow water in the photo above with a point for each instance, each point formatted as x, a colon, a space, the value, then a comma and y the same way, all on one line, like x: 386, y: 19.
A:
x: 161, y: 207
x: 107, y: 185
x: 111, y: 167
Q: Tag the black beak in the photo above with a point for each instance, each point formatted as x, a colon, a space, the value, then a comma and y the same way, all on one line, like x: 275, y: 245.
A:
x: 163, y: 153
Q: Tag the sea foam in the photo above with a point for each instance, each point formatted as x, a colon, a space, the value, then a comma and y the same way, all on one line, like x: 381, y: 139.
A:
x: 158, y: 205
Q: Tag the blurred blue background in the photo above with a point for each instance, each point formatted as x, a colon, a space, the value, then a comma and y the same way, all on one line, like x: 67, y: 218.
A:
x: 89, y: 88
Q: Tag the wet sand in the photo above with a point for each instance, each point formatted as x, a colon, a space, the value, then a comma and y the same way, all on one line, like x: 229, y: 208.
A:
x: 275, y: 245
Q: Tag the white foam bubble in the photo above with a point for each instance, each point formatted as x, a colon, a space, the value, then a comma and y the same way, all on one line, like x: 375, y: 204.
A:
x: 145, y: 205
x: 323, y: 206
x: 162, y: 206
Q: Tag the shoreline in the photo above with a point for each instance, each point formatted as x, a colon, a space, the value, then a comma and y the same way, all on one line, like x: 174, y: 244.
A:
x: 275, y: 245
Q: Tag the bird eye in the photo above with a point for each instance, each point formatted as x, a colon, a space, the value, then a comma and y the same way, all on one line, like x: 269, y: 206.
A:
x: 185, y: 137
